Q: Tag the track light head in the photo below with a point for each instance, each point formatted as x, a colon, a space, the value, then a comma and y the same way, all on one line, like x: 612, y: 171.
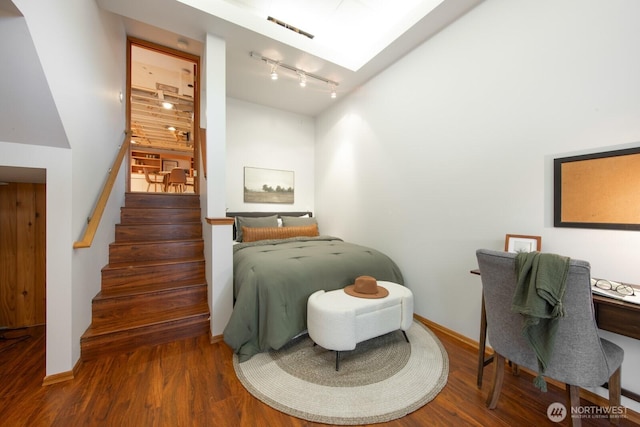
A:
x: 334, y: 95
x: 303, y: 78
x: 274, y: 71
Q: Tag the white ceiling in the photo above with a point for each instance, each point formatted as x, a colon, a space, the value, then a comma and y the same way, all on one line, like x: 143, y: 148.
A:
x: 27, y: 111
x: 365, y: 43
x: 347, y: 33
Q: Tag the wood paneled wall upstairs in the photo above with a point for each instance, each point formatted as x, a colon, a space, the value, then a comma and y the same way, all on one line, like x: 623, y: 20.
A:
x: 22, y: 254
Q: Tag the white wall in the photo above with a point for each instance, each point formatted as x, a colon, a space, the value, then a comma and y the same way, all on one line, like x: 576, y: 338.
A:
x: 263, y: 137
x: 57, y: 162
x: 82, y: 53
x: 452, y: 147
x: 22, y: 105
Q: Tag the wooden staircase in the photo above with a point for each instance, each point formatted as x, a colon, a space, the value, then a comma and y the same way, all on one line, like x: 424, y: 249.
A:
x: 154, y: 288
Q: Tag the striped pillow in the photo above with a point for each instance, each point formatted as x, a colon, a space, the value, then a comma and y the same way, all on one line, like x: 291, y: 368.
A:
x: 252, y: 234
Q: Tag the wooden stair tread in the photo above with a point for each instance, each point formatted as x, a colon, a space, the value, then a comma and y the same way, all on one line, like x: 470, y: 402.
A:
x: 148, y: 336
x: 165, y: 224
x: 128, y: 251
x: 161, y: 209
x: 144, y: 232
x: 145, y: 289
x: 157, y: 242
x: 144, y: 194
x: 194, y: 208
x: 135, y: 200
x: 157, y: 224
x: 150, y: 263
x: 128, y: 324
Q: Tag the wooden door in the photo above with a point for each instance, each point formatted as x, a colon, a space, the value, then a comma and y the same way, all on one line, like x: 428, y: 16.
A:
x: 22, y: 254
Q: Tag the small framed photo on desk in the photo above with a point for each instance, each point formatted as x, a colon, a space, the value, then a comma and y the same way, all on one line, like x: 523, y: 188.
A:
x: 520, y: 243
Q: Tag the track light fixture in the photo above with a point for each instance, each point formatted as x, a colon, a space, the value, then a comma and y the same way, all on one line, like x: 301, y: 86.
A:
x: 274, y: 71
x: 303, y: 76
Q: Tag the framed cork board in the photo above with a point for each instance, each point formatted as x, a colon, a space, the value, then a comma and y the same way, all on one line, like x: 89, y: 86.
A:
x: 600, y: 190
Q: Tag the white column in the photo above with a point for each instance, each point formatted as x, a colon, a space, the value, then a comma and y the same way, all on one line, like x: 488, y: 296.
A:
x: 220, y: 264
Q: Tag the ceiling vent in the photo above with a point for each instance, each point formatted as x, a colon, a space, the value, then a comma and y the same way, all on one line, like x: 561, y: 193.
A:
x: 290, y: 27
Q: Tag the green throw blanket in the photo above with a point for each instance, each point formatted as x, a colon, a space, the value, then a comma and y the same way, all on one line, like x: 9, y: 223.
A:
x: 538, y: 297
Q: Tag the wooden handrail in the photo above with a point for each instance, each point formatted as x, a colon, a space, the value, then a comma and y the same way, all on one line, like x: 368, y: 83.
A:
x: 94, y: 220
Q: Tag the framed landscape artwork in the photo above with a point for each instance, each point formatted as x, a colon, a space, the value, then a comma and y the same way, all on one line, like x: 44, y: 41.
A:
x: 519, y: 243
x: 268, y: 186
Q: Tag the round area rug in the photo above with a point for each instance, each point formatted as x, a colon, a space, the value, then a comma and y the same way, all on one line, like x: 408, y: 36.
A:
x: 383, y: 379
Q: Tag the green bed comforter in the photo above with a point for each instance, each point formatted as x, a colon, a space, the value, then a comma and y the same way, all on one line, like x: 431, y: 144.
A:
x: 274, y: 278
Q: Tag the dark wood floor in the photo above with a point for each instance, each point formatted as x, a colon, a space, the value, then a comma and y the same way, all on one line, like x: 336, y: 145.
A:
x: 192, y: 383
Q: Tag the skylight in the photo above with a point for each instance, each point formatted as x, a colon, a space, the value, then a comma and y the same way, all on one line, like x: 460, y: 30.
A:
x: 348, y: 33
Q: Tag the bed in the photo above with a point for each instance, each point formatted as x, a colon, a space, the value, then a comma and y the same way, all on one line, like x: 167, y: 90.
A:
x: 274, y: 277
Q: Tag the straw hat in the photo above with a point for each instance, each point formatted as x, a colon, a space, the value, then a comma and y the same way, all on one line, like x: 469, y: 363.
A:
x: 366, y: 287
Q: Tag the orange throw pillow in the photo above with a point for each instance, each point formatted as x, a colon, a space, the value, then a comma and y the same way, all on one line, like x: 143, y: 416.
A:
x: 252, y: 234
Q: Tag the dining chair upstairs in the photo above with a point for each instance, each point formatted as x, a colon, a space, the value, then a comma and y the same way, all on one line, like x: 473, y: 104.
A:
x: 580, y: 358
x: 152, y: 180
x: 177, y: 180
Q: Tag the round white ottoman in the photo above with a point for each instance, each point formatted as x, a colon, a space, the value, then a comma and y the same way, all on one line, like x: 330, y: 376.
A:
x: 338, y: 321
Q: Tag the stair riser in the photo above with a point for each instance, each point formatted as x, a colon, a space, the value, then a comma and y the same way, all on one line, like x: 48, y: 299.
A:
x: 147, y: 306
x: 115, y: 279
x: 143, y: 251
x: 158, y: 216
x: 122, y: 342
x: 148, y: 232
x: 147, y: 200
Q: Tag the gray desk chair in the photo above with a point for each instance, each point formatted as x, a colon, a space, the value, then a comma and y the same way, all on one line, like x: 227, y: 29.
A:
x: 580, y: 357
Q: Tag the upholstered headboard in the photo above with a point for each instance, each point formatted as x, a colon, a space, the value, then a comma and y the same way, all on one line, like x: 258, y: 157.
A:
x: 259, y: 214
